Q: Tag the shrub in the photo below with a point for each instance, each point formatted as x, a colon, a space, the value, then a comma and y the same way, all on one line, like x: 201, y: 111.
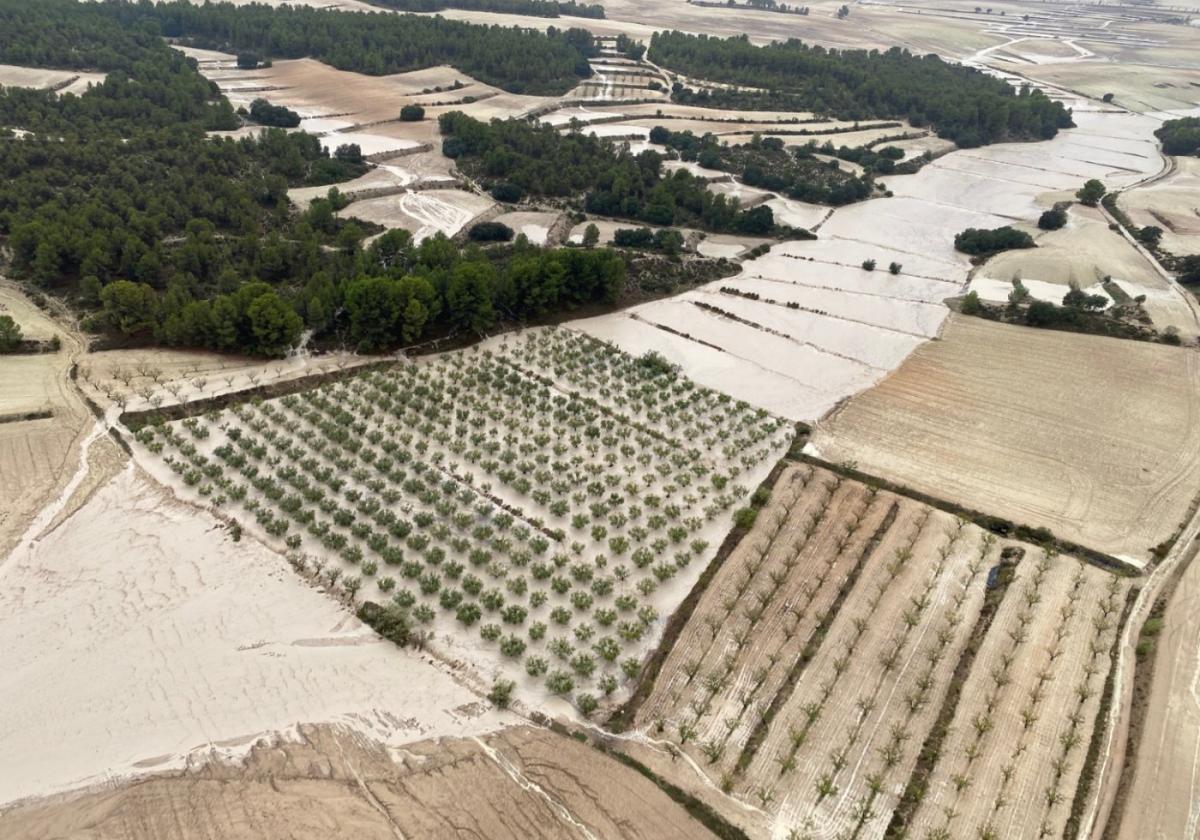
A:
x: 277, y: 116
x: 868, y: 265
x: 389, y: 621
x: 745, y: 518
x: 981, y: 242
x: 491, y: 232
x: 560, y: 683
x: 507, y: 193
x: 1091, y: 193
x: 1052, y: 219
x: 894, y: 268
x: 501, y: 693
x: 412, y: 113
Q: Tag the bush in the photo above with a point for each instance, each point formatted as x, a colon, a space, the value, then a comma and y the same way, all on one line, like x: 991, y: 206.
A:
x: 10, y: 334
x: 868, y: 265
x: 507, y: 193
x: 277, y: 116
x: 1052, y: 219
x: 895, y: 267
x: 1091, y: 193
x: 391, y: 621
x: 501, y: 693
x: 247, y: 61
x: 745, y: 518
x: 972, y: 305
x: 981, y: 242
x: 491, y: 232
x: 412, y: 113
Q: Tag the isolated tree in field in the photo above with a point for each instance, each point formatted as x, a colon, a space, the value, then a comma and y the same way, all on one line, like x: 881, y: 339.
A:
x: 1052, y: 219
x: 247, y: 61
x: 591, y: 236
x: 868, y: 265
x: 412, y: 113
x: 1091, y: 193
x: 10, y: 334
x: 895, y: 267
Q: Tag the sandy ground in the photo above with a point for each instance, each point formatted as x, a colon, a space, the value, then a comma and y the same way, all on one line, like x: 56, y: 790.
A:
x: 1002, y: 400
x: 422, y: 213
x: 535, y: 225
x: 144, y: 636
x: 36, y: 456
x: 328, y: 782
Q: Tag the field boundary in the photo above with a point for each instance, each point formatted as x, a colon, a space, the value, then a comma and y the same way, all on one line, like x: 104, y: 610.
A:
x: 20, y: 417
x: 997, y: 525
x: 135, y: 420
x: 622, y: 718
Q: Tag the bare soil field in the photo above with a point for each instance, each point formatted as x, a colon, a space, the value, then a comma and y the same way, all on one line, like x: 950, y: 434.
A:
x: 160, y: 639
x: 535, y: 226
x: 1172, y: 204
x: 815, y: 665
x: 1010, y: 766
x: 327, y: 781
x: 36, y: 456
x: 62, y: 81
x: 1027, y: 427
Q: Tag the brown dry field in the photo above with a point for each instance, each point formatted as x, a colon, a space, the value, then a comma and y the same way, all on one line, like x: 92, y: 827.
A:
x: 516, y: 784
x: 1026, y: 713
x: 308, y: 84
x: 1172, y: 204
x: 765, y: 607
x: 1094, y: 438
x: 1138, y: 87
x: 852, y: 720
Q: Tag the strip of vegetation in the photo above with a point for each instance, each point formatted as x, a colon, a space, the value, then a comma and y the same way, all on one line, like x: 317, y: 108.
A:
x: 1087, y: 773
x: 997, y: 525
x: 21, y: 417
x: 931, y: 749
x: 703, y: 813
x: 764, y: 162
x: 753, y: 5
x: 532, y: 8
x: 514, y: 158
x: 626, y: 713
x: 962, y: 104
x: 763, y: 726
x: 1079, y: 312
